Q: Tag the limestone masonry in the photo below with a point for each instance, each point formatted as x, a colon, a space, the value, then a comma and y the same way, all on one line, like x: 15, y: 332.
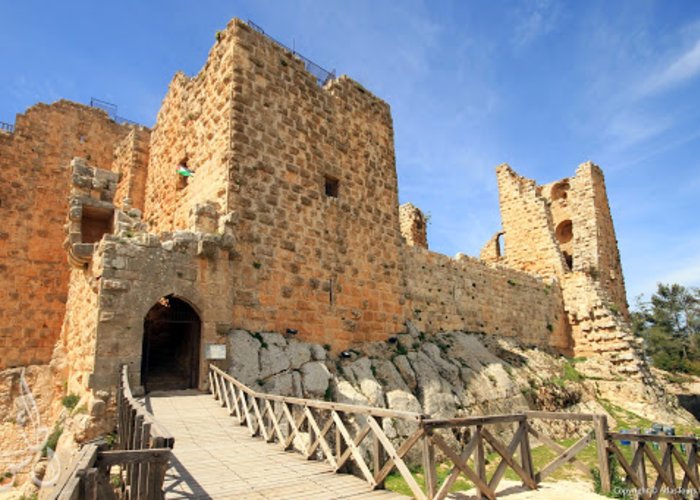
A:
x: 290, y: 223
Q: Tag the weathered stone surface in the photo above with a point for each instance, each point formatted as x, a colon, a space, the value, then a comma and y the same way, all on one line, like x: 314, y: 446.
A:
x: 315, y: 379
x: 404, y: 367
x: 360, y: 374
x: 273, y: 359
x: 245, y: 364
x: 318, y: 352
x: 298, y: 353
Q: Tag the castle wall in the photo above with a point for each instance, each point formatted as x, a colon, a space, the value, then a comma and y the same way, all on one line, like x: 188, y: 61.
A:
x: 134, y: 273
x: 131, y: 163
x: 193, y: 128
x: 33, y: 203
x: 413, y: 225
x: 76, y: 345
x: 313, y: 182
x: 595, y: 244
x: 465, y: 294
x: 527, y: 222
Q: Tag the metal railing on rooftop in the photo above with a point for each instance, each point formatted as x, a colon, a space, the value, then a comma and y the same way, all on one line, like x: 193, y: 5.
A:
x: 111, y: 110
x: 321, y: 74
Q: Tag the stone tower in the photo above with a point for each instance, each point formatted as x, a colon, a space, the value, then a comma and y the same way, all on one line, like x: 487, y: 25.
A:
x: 564, y: 230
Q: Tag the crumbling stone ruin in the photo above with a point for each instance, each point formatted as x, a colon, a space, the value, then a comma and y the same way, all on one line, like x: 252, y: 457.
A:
x: 289, y: 223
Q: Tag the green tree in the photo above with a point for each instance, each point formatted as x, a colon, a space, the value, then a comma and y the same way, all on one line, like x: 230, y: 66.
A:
x: 670, y: 326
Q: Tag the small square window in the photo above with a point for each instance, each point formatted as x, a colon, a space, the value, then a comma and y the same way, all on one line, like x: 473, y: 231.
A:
x: 331, y: 187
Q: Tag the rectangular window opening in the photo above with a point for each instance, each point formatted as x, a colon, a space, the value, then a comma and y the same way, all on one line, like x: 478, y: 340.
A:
x: 332, y: 187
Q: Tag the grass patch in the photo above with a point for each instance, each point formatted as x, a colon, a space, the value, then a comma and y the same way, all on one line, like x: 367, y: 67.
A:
x: 395, y: 482
x: 52, y: 440
x: 70, y: 401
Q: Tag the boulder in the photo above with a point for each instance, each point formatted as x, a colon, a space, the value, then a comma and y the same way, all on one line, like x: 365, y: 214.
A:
x: 315, y: 379
x: 298, y: 354
x: 273, y: 359
x: 360, y: 373
x: 404, y: 367
x: 245, y: 364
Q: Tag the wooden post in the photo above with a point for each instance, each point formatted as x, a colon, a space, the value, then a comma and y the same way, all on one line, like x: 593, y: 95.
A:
x: 480, y: 458
x: 525, y: 452
x: 600, y: 426
x: 312, y: 437
x: 378, y: 454
x: 429, y: 465
x: 89, y: 481
x: 340, y: 446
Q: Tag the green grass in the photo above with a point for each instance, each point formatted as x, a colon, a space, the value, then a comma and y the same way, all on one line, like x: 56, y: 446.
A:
x: 70, y: 401
x: 395, y: 482
x: 52, y: 440
x: 542, y: 455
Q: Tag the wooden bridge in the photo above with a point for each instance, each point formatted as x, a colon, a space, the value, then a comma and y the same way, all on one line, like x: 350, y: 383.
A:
x: 303, y: 447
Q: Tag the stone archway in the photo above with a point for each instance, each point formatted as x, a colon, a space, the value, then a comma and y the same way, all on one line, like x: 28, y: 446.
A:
x: 171, y: 346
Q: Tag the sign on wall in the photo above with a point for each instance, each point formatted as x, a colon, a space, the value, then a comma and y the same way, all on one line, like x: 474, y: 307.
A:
x: 215, y: 351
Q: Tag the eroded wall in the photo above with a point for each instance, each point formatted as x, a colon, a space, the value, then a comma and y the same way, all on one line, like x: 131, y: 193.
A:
x: 465, y: 294
x: 35, y: 161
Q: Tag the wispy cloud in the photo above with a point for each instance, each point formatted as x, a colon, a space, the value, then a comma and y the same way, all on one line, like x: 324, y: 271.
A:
x: 535, y: 19
x: 681, y: 69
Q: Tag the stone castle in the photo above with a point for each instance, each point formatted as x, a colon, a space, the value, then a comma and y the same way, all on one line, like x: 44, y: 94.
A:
x: 290, y: 224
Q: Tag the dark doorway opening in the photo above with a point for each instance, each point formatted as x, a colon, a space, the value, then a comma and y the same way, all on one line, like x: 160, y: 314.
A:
x: 171, y: 332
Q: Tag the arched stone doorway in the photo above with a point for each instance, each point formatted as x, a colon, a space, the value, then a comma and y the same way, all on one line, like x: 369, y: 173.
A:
x: 171, y: 345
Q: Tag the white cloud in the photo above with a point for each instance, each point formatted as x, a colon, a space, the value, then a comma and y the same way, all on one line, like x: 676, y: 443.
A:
x: 684, y: 67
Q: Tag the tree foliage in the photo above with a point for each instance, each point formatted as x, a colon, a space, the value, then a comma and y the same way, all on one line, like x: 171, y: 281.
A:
x: 670, y: 326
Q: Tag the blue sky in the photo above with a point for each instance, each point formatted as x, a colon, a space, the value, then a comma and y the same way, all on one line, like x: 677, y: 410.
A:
x: 541, y: 85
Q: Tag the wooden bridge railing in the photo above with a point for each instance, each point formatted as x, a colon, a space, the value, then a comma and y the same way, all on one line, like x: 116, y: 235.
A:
x: 342, y: 434
x: 650, y: 472
x: 135, y: 470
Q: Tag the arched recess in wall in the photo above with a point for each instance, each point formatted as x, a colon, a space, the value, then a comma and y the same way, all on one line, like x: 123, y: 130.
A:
x: 171, y: 346
x: 560, y: 190
x: 565, y: 235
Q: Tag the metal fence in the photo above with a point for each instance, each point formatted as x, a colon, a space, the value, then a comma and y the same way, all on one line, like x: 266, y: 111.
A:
x: 7, y: 127
x: 321, y: 74
x: 111, y: 110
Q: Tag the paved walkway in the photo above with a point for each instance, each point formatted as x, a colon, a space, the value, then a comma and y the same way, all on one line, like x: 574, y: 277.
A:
x: 216, y: 458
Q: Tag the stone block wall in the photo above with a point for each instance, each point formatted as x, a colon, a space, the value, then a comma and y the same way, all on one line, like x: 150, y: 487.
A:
x: 134, y: 273
x: 131, y: 163
x: 313, y: 182
x: 33, y: 205
x: 413, y: 225
x: 193, y: 128
x: 465, y: 294
x: 527, y: 222
x: 596, y: 251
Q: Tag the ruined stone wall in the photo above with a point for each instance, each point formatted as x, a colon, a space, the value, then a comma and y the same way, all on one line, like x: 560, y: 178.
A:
x: 465, y: 294
x: 131, y: 163
x: 314, y: 185
x: 598, y: 330
x: 413, y: 225
x: 75, y: 353
x: 193, y: 128
x: 595, y: 244
x: 33, y: 205
x: 527, y: 222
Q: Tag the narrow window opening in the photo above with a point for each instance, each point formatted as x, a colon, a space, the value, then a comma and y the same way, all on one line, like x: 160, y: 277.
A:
x: 183, y: 174
x: 569, y: 259
x: 331, y: 187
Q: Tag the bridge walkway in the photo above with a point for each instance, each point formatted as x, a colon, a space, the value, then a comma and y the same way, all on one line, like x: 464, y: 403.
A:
x: 215, y: 458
